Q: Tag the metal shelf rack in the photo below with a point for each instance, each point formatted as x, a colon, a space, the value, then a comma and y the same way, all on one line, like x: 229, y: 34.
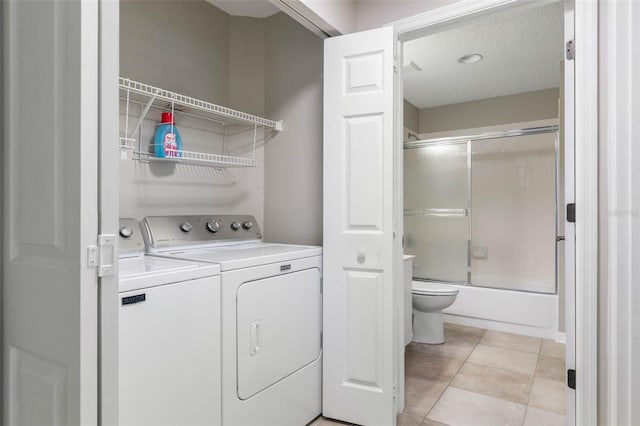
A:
x: 232, y: 121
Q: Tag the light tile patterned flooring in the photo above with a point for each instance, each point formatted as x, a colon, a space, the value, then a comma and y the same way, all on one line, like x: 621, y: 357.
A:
x: 482, y: 378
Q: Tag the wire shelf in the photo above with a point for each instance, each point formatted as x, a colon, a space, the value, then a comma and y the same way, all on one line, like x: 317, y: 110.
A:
x: 160, y: 98
x: 233, y: 122
x: 126, y: 143
x: 201, y: 159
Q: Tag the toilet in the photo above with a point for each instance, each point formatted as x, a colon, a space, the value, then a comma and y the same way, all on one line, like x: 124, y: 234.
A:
x: 429, y: 299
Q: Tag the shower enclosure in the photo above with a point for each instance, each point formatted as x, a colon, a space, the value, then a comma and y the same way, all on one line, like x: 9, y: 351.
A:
x: 481, y: 210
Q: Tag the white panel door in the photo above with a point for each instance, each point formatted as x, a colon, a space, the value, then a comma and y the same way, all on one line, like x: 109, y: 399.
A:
x: 50, y: 136
x: 359, y: 256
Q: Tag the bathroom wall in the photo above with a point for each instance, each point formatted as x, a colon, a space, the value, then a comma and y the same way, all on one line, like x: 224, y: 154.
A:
x: 198, y: 50
x: 539, y: 105
x: 513, y: 204
x: 293, y: 158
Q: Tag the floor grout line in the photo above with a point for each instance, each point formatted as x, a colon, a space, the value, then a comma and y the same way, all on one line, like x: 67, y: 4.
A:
x: 464, y: 341
x: 454, y: 376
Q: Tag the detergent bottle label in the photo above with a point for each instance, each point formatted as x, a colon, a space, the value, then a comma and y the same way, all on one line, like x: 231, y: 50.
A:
x: 170, y: 145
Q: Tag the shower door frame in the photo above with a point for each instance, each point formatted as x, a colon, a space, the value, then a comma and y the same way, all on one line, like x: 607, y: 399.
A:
x: 449, y: 212
x: 468, y: 140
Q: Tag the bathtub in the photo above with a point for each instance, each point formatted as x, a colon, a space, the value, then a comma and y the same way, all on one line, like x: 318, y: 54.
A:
x: 531, y: 314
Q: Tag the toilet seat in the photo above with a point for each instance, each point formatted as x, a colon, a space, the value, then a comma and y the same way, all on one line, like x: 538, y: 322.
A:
x: 432, y: 289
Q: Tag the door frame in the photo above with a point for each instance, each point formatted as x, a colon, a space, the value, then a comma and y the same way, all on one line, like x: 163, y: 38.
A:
x: 586, y: 179
x: 108, y: 207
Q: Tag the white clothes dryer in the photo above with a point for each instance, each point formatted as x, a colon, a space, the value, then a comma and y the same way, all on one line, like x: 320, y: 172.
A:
x: 169, y: 337
x: 271, y: 315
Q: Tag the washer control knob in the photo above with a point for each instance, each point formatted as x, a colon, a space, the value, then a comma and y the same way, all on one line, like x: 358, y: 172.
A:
x: 247, y: 225
x: 235, y: 226
x: 213, y: 226
x: 126, y: 232
x: 185, y: 227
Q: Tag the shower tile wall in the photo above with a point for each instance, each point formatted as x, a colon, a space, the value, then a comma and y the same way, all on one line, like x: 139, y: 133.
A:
x: 513, y: 213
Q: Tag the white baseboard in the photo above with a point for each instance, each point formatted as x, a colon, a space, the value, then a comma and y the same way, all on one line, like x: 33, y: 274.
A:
x: 500, y: 326
x: 561, y: 337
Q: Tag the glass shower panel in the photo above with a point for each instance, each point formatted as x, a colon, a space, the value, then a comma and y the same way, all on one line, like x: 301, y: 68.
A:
x: 436, y: 209
x: 440, y: 245
x: 513, y: 242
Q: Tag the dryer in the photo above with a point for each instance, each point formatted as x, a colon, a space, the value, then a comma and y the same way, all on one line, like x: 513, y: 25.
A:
x: 271, y: 296
x: 169, y: 337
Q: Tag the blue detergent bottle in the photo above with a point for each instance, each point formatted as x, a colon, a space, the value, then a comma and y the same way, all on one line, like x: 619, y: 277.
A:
x: 167, y: 142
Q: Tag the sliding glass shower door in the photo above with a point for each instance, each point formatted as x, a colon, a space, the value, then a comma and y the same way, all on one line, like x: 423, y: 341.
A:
x: 481, y: 210
x: 437, y: 207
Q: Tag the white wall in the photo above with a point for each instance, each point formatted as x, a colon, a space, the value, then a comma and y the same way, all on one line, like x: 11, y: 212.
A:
x: 247, y: 64
x: 340, y: 14
x: 376, y: 13
x: 293, y: 158
x: 336, y: 17
x: 411, y: 115
x: 177, y: 45
x: 195, y: 49
x: 539, y: 105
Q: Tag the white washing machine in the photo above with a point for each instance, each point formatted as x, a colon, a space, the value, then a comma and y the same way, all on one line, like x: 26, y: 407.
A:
x: 169, y: 337
x: 271, y: 315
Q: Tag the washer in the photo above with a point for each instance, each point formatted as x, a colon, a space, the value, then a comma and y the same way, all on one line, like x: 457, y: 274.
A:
x: 169, y: 337
x: 271, y: 315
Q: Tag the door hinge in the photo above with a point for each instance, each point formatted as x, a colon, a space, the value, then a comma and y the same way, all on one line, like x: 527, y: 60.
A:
x: 321, y: 340
x: 103, y: 255
x: 571, y: 213
x: 571, y: 378
x: 570, y: 50
x: 395, y: 65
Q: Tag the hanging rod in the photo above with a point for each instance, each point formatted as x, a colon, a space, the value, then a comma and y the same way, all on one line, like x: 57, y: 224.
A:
x: 482, y: 136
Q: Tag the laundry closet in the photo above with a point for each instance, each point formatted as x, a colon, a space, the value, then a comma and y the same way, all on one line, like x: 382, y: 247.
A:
x: 247, y: 338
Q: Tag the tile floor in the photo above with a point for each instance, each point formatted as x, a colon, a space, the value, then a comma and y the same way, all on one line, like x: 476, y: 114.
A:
x: 482, y: 378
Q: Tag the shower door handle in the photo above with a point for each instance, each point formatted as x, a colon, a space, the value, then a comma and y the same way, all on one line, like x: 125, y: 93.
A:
x: 559, y: 238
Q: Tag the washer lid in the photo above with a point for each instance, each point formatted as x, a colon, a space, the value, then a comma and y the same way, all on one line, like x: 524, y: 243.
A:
x: 149, y: 271
x: 432, y: 289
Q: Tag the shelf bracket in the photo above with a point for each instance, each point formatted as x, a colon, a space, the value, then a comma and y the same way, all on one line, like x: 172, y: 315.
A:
x: 143, y: 114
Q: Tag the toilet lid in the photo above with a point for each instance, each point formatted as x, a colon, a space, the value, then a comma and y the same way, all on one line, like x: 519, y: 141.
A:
x: 432, y: 289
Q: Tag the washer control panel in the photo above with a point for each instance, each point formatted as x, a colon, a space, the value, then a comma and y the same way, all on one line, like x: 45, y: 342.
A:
x: 163, y: 233
x: 130, y: 239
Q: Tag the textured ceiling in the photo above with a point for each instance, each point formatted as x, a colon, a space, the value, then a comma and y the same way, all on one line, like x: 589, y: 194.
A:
x: 522, y: 52
x: 252, y: 8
